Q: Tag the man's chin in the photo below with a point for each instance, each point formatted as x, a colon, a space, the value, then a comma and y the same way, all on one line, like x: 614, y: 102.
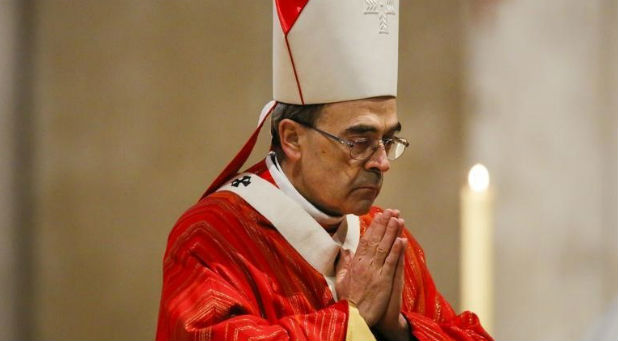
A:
x: 362, y: 206
x: 363, y: 199
x: 359, y: 202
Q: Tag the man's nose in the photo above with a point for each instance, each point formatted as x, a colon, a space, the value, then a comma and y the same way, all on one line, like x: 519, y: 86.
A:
x: 379, y: 159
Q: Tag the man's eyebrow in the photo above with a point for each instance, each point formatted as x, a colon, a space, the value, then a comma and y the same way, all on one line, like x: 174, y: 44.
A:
x: 395, y: 129
x: 360, y: 129
x: 363, y: 128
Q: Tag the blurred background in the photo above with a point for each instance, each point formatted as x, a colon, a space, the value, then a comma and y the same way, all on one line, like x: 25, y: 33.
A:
x: 115, y: 115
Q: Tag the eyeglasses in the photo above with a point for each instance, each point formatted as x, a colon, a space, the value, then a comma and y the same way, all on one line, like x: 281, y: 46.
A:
x: 364, y: 148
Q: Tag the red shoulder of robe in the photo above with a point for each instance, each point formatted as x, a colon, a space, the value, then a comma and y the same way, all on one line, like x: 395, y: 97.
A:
x: 229, y: 275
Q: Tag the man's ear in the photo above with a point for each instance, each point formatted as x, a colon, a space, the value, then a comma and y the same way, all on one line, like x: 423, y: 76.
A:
x: 289, y: 137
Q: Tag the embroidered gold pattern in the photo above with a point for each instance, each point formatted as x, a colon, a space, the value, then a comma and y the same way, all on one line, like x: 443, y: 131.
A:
x: 382, y: 8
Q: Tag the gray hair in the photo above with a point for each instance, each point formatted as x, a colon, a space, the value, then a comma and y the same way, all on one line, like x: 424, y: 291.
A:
x: 307, y: 114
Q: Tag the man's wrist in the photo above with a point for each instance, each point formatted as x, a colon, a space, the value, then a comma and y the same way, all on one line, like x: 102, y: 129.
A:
x: 399, y: 331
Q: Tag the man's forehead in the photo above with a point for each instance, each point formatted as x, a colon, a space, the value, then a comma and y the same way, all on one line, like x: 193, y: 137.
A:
x: 380, y: 113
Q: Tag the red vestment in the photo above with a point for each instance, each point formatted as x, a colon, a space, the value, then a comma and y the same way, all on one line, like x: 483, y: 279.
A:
x: 228, y: 274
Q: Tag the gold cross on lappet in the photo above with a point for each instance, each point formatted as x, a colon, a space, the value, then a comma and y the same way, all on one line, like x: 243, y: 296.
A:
x: 382, y: 8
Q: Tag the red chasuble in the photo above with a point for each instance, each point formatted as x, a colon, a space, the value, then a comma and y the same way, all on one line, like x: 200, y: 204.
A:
x: 228, y: 274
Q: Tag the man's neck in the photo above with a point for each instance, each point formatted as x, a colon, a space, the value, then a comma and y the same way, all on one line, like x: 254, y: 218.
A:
x: 282, y: 173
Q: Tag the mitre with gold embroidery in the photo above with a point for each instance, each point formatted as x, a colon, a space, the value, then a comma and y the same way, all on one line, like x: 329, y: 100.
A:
x: 327, y: 51
x: 334, y: 50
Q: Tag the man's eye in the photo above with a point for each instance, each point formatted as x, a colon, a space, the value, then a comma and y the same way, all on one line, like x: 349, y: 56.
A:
x: 361, y: 141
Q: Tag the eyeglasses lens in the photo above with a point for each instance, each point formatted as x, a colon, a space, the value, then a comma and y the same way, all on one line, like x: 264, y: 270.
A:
x: 363, y: 150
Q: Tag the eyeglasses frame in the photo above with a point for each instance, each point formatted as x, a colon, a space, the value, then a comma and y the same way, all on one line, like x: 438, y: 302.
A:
x: 351, y: 144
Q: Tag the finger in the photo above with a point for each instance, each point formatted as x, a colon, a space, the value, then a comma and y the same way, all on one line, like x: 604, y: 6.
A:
x: 392, y: 231
x: 391, y: 261
x: 342, y: 267
x: 378, y: 225
x: 396, y: 213
x: 395, y: 300
x: 343, y: 261
x: 401, y: 225
x: 369, y: 241
x: 399, y: 272
x: 398, y: 281
x: 400, y: 221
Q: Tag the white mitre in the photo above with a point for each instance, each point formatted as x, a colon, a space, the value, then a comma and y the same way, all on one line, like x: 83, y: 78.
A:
x: 334, y: 50
x: 327, y: 51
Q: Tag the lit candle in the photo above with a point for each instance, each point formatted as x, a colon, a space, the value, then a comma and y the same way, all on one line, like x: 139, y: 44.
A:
x: 476, y: 273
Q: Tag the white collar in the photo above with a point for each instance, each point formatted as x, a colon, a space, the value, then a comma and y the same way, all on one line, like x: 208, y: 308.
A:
x: 300, y: 229
x: 286, y: 187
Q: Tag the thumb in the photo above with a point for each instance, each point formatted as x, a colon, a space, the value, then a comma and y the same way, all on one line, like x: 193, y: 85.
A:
x: 343, y: 264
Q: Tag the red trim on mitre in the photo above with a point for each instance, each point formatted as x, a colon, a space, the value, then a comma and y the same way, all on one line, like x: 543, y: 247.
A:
x: 241, y: 157
x: 289, y: 11
x: 300, y: 91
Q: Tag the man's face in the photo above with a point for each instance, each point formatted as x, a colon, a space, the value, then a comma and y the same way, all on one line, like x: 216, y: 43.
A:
x: 328, y: 176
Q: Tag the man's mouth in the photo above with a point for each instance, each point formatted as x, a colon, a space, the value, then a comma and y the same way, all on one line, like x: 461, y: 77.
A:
x: 369, y: 190
x: 375, y: 188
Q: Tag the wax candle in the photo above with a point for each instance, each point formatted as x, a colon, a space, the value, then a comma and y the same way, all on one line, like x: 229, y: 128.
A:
x: 476, y: 272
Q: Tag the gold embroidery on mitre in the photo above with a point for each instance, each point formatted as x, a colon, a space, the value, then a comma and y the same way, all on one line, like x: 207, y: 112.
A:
x: 382, y: 8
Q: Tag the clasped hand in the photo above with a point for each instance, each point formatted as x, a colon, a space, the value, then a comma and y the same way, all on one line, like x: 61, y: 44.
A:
x: 372, y: 278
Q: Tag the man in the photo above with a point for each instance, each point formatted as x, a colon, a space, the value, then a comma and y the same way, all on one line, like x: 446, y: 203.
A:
x: 293, y: 248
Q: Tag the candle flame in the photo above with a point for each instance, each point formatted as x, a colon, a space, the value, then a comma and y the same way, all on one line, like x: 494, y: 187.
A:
x: 478, y: 178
